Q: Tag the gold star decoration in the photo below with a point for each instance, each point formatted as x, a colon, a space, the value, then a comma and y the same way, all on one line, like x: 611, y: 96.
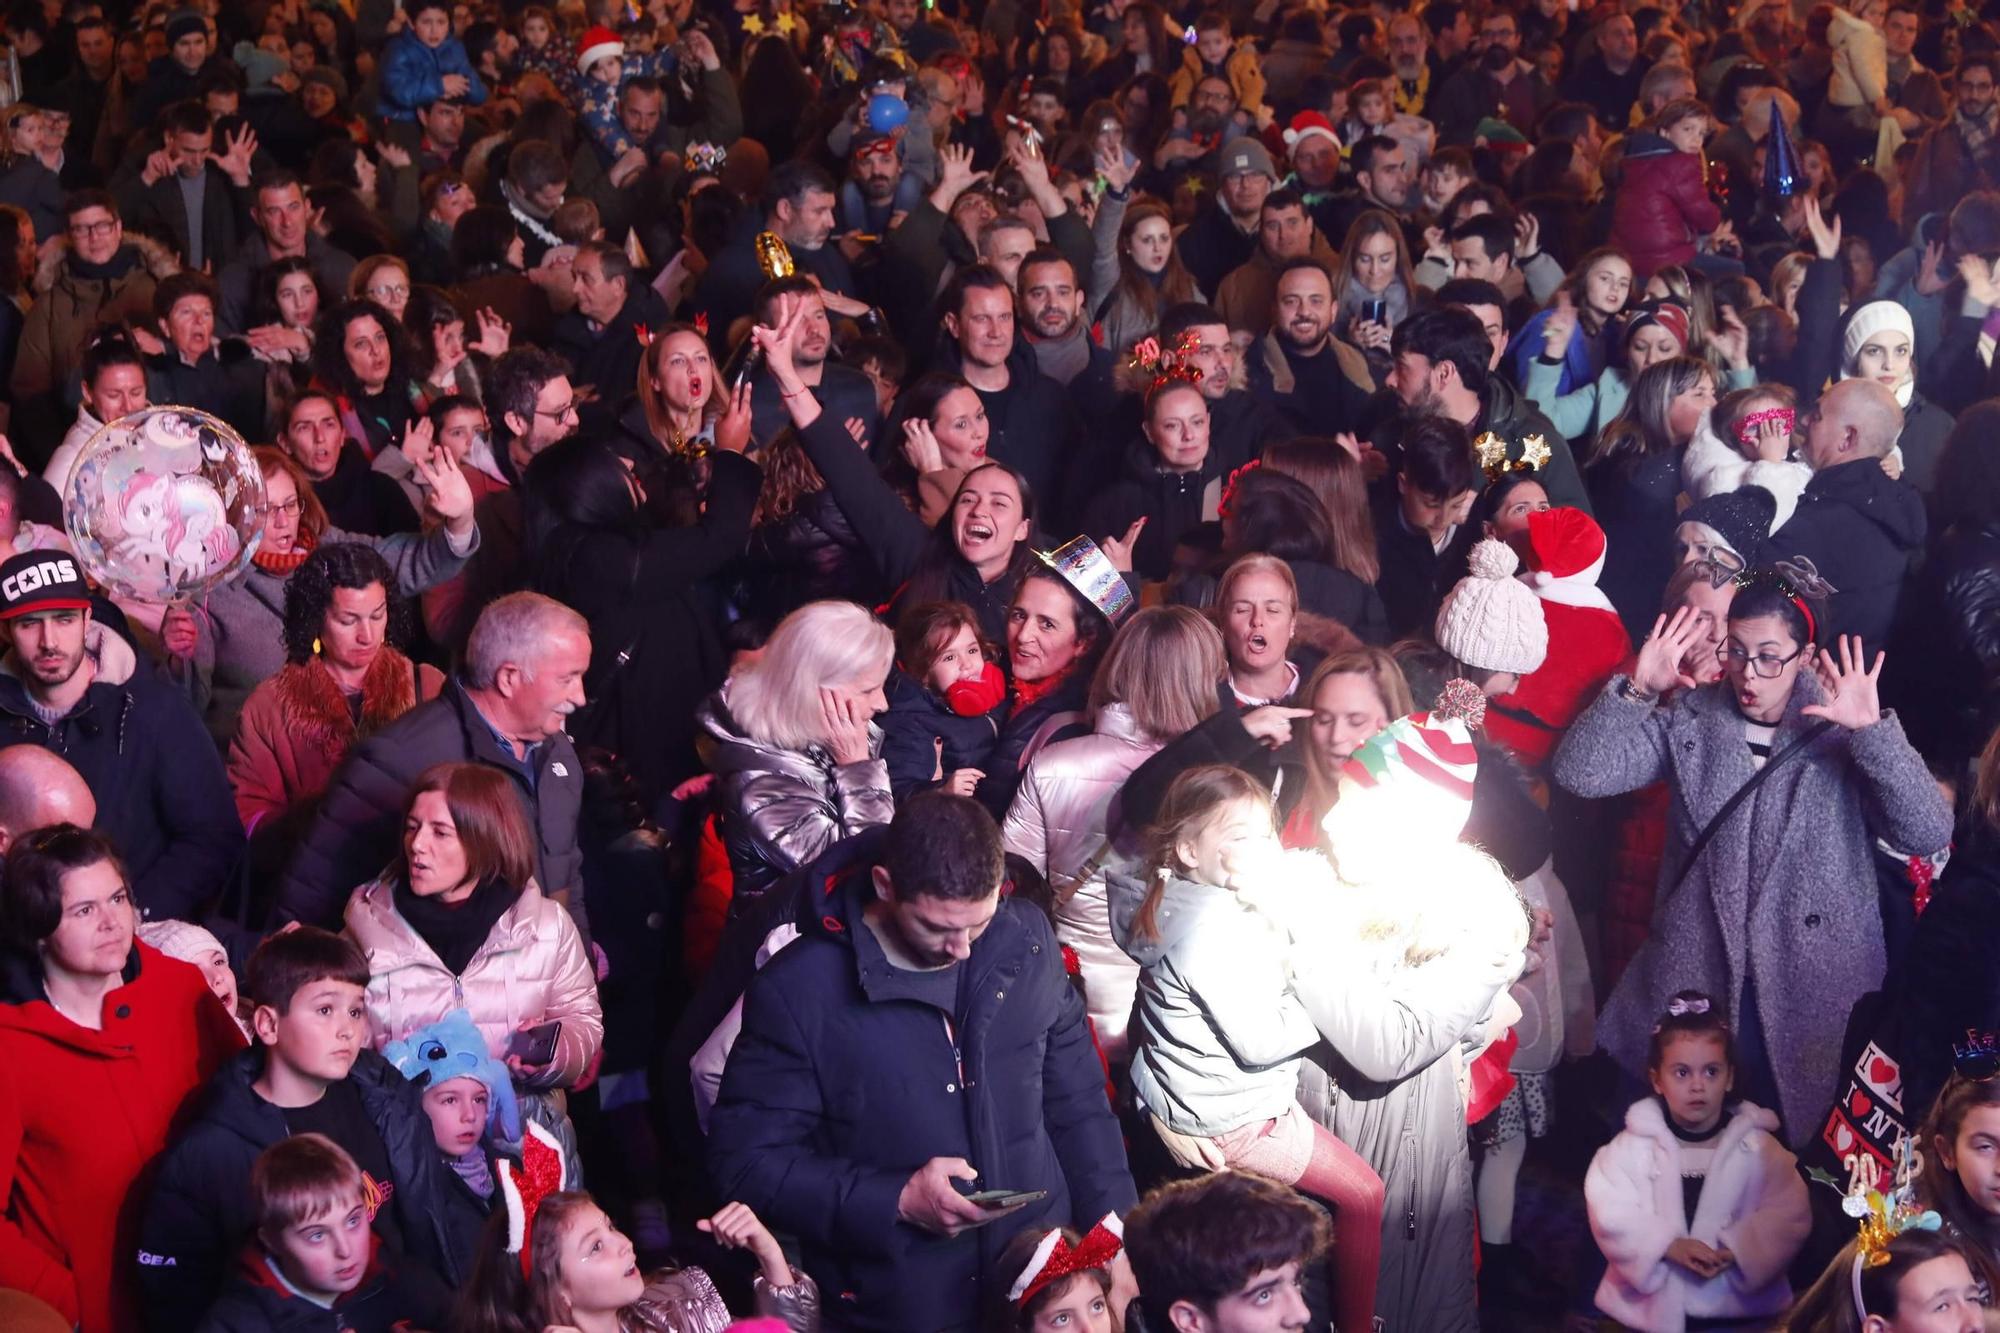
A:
x: 1535, y: 452
x: 1492, y: 450
x: 786, y: 24
x: 1193, y: 185
x: 753, y: 24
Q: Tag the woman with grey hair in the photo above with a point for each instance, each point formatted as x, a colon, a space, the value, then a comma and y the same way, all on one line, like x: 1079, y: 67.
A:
x: 797, y: 756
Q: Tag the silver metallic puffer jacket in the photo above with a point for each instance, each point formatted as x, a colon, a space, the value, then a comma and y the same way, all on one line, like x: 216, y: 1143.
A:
x: 779, y: 809
x: 685, y: 1301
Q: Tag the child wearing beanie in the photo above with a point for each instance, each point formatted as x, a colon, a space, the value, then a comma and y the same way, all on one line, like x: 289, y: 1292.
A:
x: 1491, y: 623
x: 193, y: 944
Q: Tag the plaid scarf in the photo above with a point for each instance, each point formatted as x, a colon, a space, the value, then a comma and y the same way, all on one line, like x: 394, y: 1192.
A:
x: 1977, y: 134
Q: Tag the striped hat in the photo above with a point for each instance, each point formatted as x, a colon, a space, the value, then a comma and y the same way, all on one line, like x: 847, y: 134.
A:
x: 1421, y: 748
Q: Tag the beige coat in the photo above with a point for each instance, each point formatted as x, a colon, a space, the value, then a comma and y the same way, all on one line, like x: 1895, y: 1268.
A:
x: 531, y: 969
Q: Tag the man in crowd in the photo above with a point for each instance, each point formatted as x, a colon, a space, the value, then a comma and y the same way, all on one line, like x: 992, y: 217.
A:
x: 1962, y: 154
x: 1285, y: 232
x: 1226, y: 1253
x: 798, y: 210
x: 1497, y: 80
x: 1224, y: 234
x: 1609, y: 80
x: 1031, y: 420
x: 602, y: 338
x: 843, y: 391
x: 1301, y: 368
x: 76, y: 687
x: 1384, y: 178
x: 39, y: 788
x: 283, y: 220
x: 190, y: 192
x: 844, y: 1121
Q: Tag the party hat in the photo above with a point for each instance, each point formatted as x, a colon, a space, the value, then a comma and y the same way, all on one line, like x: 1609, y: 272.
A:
x: 1088, y: 570
x: 1782, y: 176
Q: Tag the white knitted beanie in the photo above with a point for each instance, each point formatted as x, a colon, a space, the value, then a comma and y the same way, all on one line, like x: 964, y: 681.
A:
x: 1491, y: 620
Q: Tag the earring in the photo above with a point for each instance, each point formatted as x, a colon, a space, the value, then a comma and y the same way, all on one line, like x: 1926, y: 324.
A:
x: 315, y: 647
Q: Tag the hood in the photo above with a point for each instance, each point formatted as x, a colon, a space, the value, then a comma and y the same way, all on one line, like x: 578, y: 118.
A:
x: 1182, y: 908
x: 1895, y: 507
x: 1647, y: 144
x: 1117, y: 722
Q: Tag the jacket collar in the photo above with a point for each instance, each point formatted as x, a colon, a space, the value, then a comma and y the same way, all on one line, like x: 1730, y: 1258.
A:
x: 1646, y: 1120
x: 24, y: 1004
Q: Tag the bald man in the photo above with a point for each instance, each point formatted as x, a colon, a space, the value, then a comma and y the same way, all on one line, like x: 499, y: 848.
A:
x: 39, y: 788
x: 1859, y: 526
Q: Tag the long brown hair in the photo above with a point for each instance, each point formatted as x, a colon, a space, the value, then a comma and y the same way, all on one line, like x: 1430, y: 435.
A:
x: 659, y: 418
x: 1194, y: 798
x: 1939, y: 1187
x: 1373, y: 222
x: 1176, y: 283
x: 789, y: 477
x: 1331, y: 473
x: 1391, y: 687
x: 492, y: 828
x: 498, y: 1299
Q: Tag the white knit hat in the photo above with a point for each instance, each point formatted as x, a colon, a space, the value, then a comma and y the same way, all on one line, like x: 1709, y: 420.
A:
x: 1867, y: 321
x: 1491, y: 620
x: 181, y: 939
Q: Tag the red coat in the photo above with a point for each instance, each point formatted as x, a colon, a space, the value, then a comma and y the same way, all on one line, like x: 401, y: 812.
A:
x: 83, y: 1117
x: 1586, y: 646
x: 1660, y: 206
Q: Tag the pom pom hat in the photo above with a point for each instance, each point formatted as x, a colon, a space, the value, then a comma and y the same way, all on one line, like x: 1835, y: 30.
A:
x: 1491, y: 620
x: 1304, y: 126
x: 600, y: 43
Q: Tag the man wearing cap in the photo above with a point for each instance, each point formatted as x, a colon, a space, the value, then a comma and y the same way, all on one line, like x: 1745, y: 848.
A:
x: 174, y: 76
x: 76, y: 688
x: 1224, y: 234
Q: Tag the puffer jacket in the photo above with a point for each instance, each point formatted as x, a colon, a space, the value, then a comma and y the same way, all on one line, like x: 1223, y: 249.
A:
x: 1861, y: 530
x: 532, y: 969
x: 1660, y: 206
x: 1943, y: 673
x: 70, y: 303
x: 1221, y: 1033
x: 811, y: 554
x: 918, y: 722
x: 1060, y: 823
x: 1752, y: 1204
x: 1172, y: 503
x: 413, y: 75
x: 781, y: 808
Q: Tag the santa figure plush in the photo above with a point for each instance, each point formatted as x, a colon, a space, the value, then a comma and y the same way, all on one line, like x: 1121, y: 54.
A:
x: 1563, y: 550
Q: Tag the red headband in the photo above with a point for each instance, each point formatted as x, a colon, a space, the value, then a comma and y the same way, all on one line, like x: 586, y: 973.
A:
x: 522, y: 1189
x: 1055, y: 1259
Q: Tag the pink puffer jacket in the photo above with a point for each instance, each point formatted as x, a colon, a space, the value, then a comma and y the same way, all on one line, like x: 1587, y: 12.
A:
x: 531, y: 969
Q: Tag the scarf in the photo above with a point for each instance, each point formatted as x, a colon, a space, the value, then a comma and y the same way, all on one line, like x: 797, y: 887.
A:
x: 283, y: 565
x: 1028, y: 693
x: 1410, y: 98
x: 519, y: 208
x: 1976, y: 134
x: 1063, y: 359
x: 455, y: 932
x: 319, y: 712
x: 475, y: 1170
x: 122, y: 262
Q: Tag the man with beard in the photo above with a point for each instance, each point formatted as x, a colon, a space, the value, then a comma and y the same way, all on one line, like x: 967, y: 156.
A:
x: 1443, y: 369
x: 1033, y: 425
x: 844, y: 392
x: 1963, y: 154
x: 1498, y: 80
x: 1051, y: 301
x: 1384, y: 178
x: 1212, y: 120
x: 878, y: 187
x: 1224, y: 234
x: 1317, y: 382
x: 73, y: 686
x: 283, y: 219
x: 1285, y: 232
x: 1609, y: 80
x: 1408, y: 64
x: 798, y: 209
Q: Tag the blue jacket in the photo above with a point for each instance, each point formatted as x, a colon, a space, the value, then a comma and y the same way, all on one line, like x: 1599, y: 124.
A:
x: 844, y: 1083
x: 413, y: 74
x: 916, y: 720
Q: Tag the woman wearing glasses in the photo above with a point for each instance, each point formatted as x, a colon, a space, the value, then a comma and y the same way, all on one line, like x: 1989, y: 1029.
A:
x: 1773, y: 909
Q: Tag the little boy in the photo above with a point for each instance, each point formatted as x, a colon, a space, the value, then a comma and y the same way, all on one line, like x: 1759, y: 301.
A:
x: 424, y: 63
x: 314, y: 1249
x: 312, y: 1071
x: 469, y: 1098
x: 606, y: 65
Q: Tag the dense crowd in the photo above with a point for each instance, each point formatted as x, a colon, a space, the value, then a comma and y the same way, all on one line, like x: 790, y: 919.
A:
x: 1011, y: 667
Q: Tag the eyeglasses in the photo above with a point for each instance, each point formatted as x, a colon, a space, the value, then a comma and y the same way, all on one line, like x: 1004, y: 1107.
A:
x: 287, y: 507
x: 1764, y: 666
x: 568, y: 409
x: 87, y: 230
x: 389, y: 293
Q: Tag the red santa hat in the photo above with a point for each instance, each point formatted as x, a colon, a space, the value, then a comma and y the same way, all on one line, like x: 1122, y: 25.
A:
x: 1304, y: 126
x: 599, y: 43
x: 1565, y: 556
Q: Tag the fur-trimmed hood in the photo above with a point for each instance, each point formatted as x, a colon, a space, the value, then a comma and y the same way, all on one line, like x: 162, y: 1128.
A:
x: 152, y: 256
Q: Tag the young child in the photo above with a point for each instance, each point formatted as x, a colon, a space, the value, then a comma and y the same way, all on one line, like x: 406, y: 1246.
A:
x: 944, y: 699
x: 311, y: 1071
x: 469, y: 1098
x: 605, y: 65
x: 1369, y: 112
x: 547, y: 49
x: 314, y: 1250
x: 1923, y: 1282
x: 192, y: 944
x: 1958, y: 1139
x: 425, y: 64
x: 1057, y: 1280
x: 1216, y: 51
x: 1697, y: 1207
x: 1220, y: 1030
x: 1662, y: 207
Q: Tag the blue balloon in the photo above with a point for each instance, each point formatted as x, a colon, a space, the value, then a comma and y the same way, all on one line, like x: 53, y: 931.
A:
x: 887, y: 113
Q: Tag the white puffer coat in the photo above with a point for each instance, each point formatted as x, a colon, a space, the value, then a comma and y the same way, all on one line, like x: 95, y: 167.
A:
x: 1057, y: 823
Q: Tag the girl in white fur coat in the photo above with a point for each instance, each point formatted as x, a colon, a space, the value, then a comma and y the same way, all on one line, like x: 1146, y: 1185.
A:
x: 1696, y: 1206
x: 1742, y: 444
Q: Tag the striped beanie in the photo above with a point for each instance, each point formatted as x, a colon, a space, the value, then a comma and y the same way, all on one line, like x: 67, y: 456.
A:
x: 1420, y: 754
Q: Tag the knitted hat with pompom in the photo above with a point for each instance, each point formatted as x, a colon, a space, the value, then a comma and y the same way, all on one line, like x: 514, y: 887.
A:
x: 1491, y: 620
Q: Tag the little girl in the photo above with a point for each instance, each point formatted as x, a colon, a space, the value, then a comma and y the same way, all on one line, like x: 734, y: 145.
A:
x: 1220, y: 1031
x: 945, y: 697
x: 1058, y: 1282
x: 194, y: 944
x: 1371, y: 113
x: 1697, y: 1207
x: 1960, y: 1141
x: 1923, y: 1283
x: 547, y: 49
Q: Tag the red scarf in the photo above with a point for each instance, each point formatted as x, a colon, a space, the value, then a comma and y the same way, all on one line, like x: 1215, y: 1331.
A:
x: 1028, y: 693
x: 271, y: 562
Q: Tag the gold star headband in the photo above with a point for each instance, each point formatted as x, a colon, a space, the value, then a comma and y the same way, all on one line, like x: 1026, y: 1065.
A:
x: 1492, y: 450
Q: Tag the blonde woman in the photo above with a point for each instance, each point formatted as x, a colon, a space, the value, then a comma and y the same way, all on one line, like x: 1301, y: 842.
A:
x: 1158, y: 681
x: 797, y: 755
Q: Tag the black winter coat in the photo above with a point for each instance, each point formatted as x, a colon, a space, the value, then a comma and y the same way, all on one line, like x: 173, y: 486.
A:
x: 844, y: 1082
x: 810, y: 554
x: 1635, y: 504
x: 654, y: 650
x: 360, y: 820
x: 1414, y: 577
x: 1861, y: 530
x: 357, y: 498
x: 199, y: 1215
x: 143, y: 752
x: 1033, y: 426
x: 1212, y: 245
x: 917, y: 719
x: 1172, y: 503
x: 1026, y: 728
x: 1943, y: 673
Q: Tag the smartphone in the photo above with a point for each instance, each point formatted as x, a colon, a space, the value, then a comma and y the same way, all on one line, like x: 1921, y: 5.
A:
x: 1375, y: 311
x: 1006, y: 1198
x: 535, y: 1046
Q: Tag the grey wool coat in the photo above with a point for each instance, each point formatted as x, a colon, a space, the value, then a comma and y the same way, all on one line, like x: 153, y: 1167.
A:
x: 1784, y: 894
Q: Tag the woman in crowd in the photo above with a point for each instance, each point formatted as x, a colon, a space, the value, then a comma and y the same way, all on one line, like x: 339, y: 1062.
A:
x: 1635, y: 479
x: 457, y: 921
x: 343, y: 678
x: 1957, y: 1139
x: 240, y: 642
x: 1375, y: 267
x: 361, y: 357
x: 1157, y: 682
x: 443, y: 362
x: 940, y: 432
x: 107, y: 1041
x: 1654, y: 332
x: 383, y: 279
x: 284, y: 315
x: 487, y: 257
x: 1056, y: 635
x: 1137, y: 273
x: 1878, y: 340
x: 1172, y: 480
x: 1597, y: 289
x: 796, y: 751
x: 1507, y: 505
x: 1793, y: 955
x: 802, y: 548
x: 679, y: 400
x: 1257, y: 606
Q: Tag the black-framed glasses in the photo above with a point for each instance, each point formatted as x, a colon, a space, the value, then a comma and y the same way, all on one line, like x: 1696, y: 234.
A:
x: 1764, y: 666
x: 568, y: 409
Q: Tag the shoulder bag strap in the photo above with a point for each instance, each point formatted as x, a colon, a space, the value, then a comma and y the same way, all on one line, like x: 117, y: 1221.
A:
x: 1743, y: 793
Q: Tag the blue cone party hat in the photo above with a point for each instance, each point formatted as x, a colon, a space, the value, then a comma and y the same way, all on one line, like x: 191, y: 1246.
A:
x: 1782, y: 177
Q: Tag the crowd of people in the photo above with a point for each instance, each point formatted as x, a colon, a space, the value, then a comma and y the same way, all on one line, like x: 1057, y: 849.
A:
x: 947, y: 666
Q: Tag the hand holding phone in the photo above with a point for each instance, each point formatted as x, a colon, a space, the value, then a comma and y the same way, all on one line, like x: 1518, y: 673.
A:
x: 534, y: 1047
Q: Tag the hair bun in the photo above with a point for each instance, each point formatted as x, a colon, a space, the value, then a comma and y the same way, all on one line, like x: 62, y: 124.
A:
x: 1492, y: 559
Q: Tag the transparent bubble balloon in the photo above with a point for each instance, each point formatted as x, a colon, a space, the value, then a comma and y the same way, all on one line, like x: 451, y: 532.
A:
x: 164, y: 504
